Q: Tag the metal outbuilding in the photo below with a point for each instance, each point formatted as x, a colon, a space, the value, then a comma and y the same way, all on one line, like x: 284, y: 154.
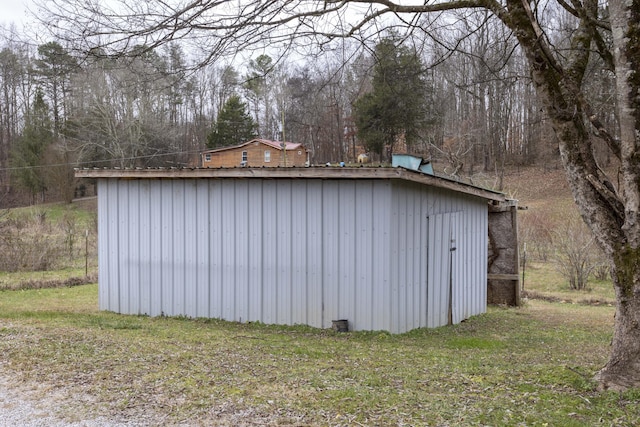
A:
x: 384, y: 248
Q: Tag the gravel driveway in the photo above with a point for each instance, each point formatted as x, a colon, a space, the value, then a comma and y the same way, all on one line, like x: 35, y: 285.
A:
x: 27, y: 405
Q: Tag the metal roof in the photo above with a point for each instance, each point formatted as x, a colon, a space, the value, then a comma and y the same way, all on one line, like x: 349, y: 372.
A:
x: 273, y: 144
x: 320, y: 172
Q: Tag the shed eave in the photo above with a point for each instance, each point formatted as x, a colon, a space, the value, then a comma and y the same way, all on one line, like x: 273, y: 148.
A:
x: 296, y: 173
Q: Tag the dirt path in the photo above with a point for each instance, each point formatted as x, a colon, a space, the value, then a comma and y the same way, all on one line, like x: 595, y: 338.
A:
x: 28, y: 405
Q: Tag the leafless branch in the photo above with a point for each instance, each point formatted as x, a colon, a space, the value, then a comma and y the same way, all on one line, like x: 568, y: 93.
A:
x: 224, y: 27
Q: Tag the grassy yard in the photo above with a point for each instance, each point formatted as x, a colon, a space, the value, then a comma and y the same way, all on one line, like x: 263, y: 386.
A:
x: 526, y: 366
x: 542, y: 280
x: 46, y: 245
x: 512, y: 366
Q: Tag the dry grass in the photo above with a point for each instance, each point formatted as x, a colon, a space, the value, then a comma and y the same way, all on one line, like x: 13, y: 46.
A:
x: 512, y: 366
x: 526, y: 366
x: 549, y: 203
x: 542, y: 280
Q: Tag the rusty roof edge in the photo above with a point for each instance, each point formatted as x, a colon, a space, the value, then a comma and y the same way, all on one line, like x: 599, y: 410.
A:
x: 452, y: 184
x: 296, y: 172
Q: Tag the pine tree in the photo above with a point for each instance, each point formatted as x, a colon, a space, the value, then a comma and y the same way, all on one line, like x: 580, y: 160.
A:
x: 396, y: 106
x: 29, y: 151
x: 233, y: 125
x: 55, y: 67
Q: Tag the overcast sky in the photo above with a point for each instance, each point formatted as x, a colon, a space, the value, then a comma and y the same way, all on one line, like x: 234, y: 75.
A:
x: 12, y: 11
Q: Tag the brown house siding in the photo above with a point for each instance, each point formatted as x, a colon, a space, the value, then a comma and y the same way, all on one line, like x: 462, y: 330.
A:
x: 257, y: 155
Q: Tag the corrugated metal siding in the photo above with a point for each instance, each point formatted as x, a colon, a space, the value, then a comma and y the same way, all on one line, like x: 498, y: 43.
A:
x: 426, y: 220
x: 291, y: 251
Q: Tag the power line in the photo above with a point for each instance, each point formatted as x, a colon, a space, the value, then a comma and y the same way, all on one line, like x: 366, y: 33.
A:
x: 92, y: 162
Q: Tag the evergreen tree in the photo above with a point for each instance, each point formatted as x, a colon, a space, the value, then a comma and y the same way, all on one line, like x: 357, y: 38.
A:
x: 233, y: 126
x: 55, y: 66
x: 29, y: 152
x: 396, y: 106
x: 257, y: 90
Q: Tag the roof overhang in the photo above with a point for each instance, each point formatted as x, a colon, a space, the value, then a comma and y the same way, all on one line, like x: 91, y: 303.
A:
x: 396, y: 173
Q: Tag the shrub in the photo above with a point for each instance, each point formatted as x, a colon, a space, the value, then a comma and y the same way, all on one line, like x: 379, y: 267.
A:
x: 576, y: 256
x: 68, y: 225
x: 536, y: 230
x: 28, y: 244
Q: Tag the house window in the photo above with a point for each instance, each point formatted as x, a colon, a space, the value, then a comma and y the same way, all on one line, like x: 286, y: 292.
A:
x: 244, y: 156
x: 207, y: 157
x: 267, y: 156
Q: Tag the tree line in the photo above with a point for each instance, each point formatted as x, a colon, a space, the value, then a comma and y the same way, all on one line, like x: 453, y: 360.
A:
x: 153, y: 108
x: 481, y: 62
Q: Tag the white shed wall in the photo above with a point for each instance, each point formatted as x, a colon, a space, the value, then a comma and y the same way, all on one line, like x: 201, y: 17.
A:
x: 301, y: 251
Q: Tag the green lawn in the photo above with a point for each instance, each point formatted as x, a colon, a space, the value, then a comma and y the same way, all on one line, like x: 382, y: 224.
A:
x: 526, y: 366
x: 512, y: 366
x: 542, y: 279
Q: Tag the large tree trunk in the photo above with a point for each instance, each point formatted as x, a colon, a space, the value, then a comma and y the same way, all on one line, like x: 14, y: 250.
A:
x: 622, y: 371
x: 611, y: 214
x: 623, y: 368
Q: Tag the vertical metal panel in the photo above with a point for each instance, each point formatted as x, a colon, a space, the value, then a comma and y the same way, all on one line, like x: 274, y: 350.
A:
x: 133, y: 255
x: 466, y: 254
x: 269, y: 253
x: 421, y: 260
x: 106, y: 263
x: 364, y: 202
x: 398, y: 261
x: 166, y: 244
x: 120, y: 295
x: 255, y: 252
x: 292, y: 251
x: 456, y: 266
x: 439, y: 269
x: 314, y: 262
x: 216, y: 249
x: 381, y: 284
x: 406, y: 285
x: 330, y: 252
x: 470, y: 260
x: 229, y: 242
x: 412, y: 269
x: 301, y: 304
x: 156, y: 264
x: 203, y: 243
x: 112, y: 243
x: 283, y: 251
x: 144, y: 247
x: 241, y: 258
x: 178, y: 255
x: 477, y: 272
x: 417, y: 257
x: 191, y: 248
x: 347, y: 258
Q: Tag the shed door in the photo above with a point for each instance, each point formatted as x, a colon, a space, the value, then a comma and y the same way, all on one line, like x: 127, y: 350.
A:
x: 441, y: 264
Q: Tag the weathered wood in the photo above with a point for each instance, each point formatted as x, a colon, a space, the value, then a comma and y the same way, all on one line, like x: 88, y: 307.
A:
x: 499, y: 276
x: 296, y: 172
x: 503, y: 266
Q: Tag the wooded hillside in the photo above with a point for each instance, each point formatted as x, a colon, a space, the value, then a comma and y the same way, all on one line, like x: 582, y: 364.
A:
x: 60, y: 110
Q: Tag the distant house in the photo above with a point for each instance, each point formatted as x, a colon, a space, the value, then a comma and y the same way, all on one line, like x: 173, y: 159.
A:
x: 256, y: 153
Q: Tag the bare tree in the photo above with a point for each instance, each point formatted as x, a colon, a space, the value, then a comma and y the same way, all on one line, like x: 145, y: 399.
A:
x: 575, y: 255
x: 15, y: 84
x: 558, y: 72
